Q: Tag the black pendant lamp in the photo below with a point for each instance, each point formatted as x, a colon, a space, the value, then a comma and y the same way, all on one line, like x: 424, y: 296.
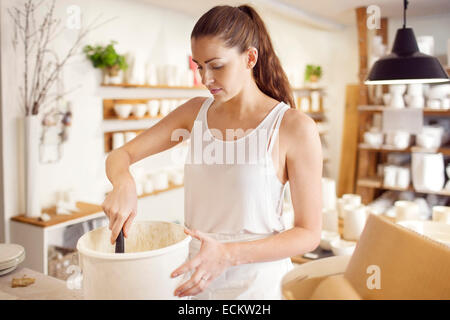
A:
x: 405, y: 64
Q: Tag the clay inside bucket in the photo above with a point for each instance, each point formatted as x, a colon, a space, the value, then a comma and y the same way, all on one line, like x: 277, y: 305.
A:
x: 144, y: 236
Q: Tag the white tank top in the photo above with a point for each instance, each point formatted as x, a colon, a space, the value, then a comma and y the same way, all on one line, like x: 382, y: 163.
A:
x: 231, y: 187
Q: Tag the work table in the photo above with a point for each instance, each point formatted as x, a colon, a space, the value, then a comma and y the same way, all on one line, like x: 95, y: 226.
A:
x: 43, y: 288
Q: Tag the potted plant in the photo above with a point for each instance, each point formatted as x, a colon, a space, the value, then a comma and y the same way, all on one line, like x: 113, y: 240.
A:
x: 106, y: 58
x: 313, y: 73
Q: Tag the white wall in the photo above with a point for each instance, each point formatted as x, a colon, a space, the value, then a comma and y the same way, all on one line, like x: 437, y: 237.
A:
x: 437, y: 26
x: 164, y: 35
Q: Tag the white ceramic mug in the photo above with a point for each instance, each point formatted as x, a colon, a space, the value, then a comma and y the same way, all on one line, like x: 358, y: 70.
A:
x: 160, y: 180
x: 118, y: 140
x: 354, y: 222
x: 390, y: 176
x: 153, y: 107
x: 123, y: 110
x: 415, y: 101
x: 328, y: 193
x: 401, y: 139
x: 173, y: 104
x: 434, y: 104
x: 441, y: 214
x: 330, y: 221
x: 406, y: 210
x: 304, y: 104
x: 403, y: 177
x: 164, y: 108
x: 428, y: 171
x: 139, y: 110
x: 445, y: 103
x: 373, y: 139
x: 148, y: 186
x: 347, y: 199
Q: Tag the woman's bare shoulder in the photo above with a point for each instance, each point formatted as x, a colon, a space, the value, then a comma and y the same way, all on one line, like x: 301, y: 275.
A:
x: 296, y: 125
x: 189, y: 110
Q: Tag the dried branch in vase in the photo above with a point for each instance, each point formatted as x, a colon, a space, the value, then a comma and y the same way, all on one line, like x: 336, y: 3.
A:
x: 42, y: 66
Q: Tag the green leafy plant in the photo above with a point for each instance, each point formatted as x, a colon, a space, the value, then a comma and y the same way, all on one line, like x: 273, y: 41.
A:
x: 106, y: 58
x: 313, y: 72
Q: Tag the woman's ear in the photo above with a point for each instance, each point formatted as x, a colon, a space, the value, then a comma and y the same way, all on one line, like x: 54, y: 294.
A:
x: 252, y: 57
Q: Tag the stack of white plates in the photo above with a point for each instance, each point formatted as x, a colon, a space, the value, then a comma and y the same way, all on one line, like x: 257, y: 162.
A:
x: 11, y: 255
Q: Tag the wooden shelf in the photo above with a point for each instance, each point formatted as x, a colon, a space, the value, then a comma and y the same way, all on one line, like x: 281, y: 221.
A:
x: 307, y: 89
x: 129, y: 85
x: 85, y: 209
x: 386, y: 149
x: 376, y: 183
x: 426, y: 111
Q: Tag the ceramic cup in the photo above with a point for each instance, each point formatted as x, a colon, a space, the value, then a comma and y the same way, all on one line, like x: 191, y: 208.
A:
x: 403, y: 177
x: 175, y: 176
x: 153, y: 107
x: 347, y: 199
x: 123, y: 110
x: 354, y: 222
x: 406, y: 210
x: 164, y: 108
x: 173, y: 104
x: 328, y: 193
x: 160, y: 180
x: 330, y: 221
x: 373, y: 139
x: 426, y: 141
x: 415, y: 101
x: 390, y: 176
x: 445, y: 103
x: 148, y: 186
x: 434, y: 104
x: 441, y: 214
x: 139, y: 110
x: 401, y: 139
x: 118, y: 140
x: 304, y: 104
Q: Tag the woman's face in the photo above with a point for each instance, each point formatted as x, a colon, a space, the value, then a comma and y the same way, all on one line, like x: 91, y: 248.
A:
x: 229, y: 72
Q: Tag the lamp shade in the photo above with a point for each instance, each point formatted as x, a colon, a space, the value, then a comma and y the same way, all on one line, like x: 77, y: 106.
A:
x: 406, y: 64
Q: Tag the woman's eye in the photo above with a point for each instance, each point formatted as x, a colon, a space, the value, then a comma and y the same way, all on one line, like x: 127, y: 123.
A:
x: 217, y: 67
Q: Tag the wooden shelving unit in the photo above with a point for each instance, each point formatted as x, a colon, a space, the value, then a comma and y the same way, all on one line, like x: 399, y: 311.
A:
x: 84, y: 210
x: 368, y: 184
x: 130, y: 85
x: 426, y: 111
x: 387, y: 149
x: 377, y: 183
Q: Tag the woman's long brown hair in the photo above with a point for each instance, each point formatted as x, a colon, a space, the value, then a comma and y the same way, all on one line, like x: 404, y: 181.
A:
x: 242, y: 27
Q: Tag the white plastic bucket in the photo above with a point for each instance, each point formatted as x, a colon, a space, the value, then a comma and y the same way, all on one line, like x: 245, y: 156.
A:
x: 153, y: 250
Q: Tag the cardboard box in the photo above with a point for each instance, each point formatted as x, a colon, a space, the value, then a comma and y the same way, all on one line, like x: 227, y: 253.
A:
x: 389, y: 262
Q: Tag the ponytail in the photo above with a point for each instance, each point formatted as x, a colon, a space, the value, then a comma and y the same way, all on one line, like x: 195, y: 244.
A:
x: 228, y: 23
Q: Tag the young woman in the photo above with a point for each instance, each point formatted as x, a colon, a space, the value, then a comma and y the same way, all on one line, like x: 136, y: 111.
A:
x: 234, y: 182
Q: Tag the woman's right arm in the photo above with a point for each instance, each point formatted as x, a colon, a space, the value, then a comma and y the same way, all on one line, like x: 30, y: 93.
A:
x: 120, y: 204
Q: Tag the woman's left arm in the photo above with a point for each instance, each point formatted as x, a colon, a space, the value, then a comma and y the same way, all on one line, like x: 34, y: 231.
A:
x: 304, y: 166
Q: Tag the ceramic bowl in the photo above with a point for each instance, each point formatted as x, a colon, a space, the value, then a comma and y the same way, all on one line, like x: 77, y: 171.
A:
x: 327, y: 237
x: 123, y: 110
x: 342, y: 247
x: 139, y: 110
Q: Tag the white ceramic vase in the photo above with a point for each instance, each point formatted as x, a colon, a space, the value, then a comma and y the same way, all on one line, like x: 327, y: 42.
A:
x: 32, y: 202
